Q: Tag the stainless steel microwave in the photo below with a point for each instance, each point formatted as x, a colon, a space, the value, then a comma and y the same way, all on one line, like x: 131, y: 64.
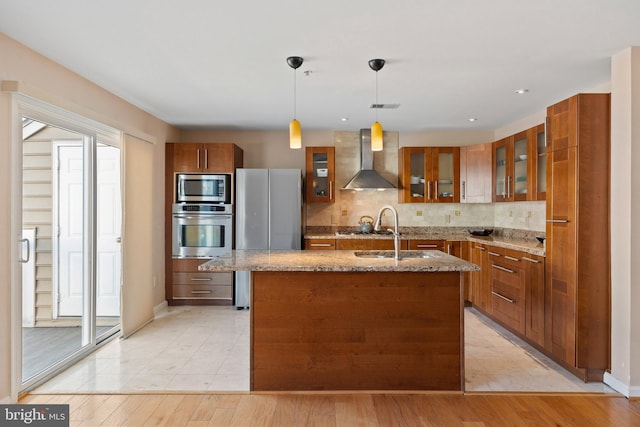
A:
x: 203, y: 188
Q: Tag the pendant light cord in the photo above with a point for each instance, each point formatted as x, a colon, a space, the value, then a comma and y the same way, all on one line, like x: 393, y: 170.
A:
x: 294, y: 92
x: 376, y: 106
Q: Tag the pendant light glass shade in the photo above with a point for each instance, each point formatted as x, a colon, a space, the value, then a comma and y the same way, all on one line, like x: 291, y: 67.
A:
x: 376, y: 137
x: 295, y: 136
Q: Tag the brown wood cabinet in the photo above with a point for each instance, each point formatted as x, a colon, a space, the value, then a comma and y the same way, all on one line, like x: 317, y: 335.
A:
x: 578, y: 289
x: 367, y: 244
x: 205, y: 158
x: 507, y: 289
x: 320, y: 175
x: 518, y: 162
x: 429, y: 175
x: 320, y: 244
x: 480, y: 280
x: 534, y: 298
x: 475, y: 173
x: 419, y: 244
x: 184, y: 284
x: 191, y: 286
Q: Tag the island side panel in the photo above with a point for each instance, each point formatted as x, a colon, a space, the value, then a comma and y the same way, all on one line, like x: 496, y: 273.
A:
x: 356, y: 331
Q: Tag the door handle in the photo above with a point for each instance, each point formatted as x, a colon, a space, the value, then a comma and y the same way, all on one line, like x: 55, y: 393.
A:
x: 25, y: 260
x: 119, y: 239
x: 563, y: 221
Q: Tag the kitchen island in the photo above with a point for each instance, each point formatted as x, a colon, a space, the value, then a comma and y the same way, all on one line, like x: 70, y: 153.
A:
x: 336, y: 321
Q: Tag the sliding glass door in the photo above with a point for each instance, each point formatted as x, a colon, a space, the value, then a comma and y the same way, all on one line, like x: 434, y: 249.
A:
x: 71, y: 217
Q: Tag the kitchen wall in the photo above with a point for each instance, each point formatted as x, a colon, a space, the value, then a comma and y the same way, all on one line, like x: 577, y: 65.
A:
x: 270, y: 149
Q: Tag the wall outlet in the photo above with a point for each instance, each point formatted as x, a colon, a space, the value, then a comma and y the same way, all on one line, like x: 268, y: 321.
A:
x: 418, y: 213
x: 510, y: 213
x: 344, y: 212
x: 457, y: 213
x: 529, y: 214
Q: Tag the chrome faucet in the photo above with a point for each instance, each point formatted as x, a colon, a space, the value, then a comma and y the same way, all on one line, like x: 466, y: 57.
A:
x: 396, y: 232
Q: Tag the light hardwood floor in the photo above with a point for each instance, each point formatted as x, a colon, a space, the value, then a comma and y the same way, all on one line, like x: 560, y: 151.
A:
x: 362, y: 409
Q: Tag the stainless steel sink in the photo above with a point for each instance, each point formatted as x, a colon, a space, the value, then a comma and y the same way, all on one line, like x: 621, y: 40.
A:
x: 390, y: 254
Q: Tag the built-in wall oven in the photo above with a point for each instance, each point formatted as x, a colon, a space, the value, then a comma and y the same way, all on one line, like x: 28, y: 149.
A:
x: 202, y: 230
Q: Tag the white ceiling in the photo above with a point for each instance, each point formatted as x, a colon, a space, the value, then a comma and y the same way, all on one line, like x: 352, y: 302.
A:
x: 222, y: 65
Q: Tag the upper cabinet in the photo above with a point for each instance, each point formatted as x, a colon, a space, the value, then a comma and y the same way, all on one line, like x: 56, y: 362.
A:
x: 320, y: 174
x: 518, y: 161
x: 206, y: 158
x: 429, y: 175
x: 475, y: 173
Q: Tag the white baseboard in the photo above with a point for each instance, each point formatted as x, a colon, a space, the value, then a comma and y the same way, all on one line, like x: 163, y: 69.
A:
x: 620, y: 387
x: 160, y: 309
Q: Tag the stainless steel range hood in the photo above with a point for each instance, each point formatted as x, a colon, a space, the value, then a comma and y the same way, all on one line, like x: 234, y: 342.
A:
x: 367, y: 178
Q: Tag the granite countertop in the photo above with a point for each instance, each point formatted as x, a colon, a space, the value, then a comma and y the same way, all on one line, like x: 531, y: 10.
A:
x: 344, y: 261
x: 524, y: 241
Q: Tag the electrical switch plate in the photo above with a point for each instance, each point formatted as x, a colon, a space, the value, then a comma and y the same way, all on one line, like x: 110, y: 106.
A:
x: 418, y: 213
x: 457, y: 213
x: 344, y: 212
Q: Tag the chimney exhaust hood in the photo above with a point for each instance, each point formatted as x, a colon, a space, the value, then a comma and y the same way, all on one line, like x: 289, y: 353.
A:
x: 367, y: 178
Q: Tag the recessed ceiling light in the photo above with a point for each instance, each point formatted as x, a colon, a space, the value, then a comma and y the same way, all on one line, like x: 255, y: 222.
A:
x: 521, y: 91
x: 472, y: 119
x: 344, y: 119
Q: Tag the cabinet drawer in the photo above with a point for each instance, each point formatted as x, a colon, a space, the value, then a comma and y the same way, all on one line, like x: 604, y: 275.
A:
x: 426, y: 245
x: 507, y: 295
x: 204, y: 278
x: 203, y: 292
x: 320, y: 244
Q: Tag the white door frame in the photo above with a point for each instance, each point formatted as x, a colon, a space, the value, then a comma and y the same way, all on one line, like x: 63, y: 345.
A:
x: 21, y: 106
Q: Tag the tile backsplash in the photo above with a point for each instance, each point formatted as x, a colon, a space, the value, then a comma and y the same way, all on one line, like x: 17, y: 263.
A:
x: 351, y: 205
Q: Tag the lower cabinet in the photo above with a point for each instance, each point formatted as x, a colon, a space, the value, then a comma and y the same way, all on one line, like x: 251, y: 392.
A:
x: 479, y: 280
x: 507, y: 290
x: 320, y: 244
x: 193, y: 287
x: 534, y: 298
x: 510, y: 289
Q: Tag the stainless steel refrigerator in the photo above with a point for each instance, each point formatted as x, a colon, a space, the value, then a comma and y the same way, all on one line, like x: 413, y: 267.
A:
x: 268, y: 216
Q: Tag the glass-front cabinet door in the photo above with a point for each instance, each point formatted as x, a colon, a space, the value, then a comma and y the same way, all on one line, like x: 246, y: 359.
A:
x: 502, y: 160
x: 540, y: 162
x: 429, y: 174
x: 320, y: 174
x: 446, y: 173
x: 520, y: 180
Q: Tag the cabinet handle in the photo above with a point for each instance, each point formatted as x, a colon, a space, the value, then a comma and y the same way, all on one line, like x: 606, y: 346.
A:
x: 563, y: 221
x: 198, y: 159
x: 449, y: 249
x: 493, y: 253
x: 531, y: 259
x: 508, y: 187
x: 502, y: 268
x: 200, y: 292
x: 503, y: 297
x: 321, y: 245
x: 480, y: 247
x: 511, y: 258
x: 206, y: 159
x: 201, y: 279
x: 464, y: 190
x: 428, y: 190
x: 435, y: 187
x: 419, y: 245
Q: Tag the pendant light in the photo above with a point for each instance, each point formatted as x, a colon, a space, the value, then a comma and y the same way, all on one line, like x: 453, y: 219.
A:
x: 295, y: 137
x: 376, y: 129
